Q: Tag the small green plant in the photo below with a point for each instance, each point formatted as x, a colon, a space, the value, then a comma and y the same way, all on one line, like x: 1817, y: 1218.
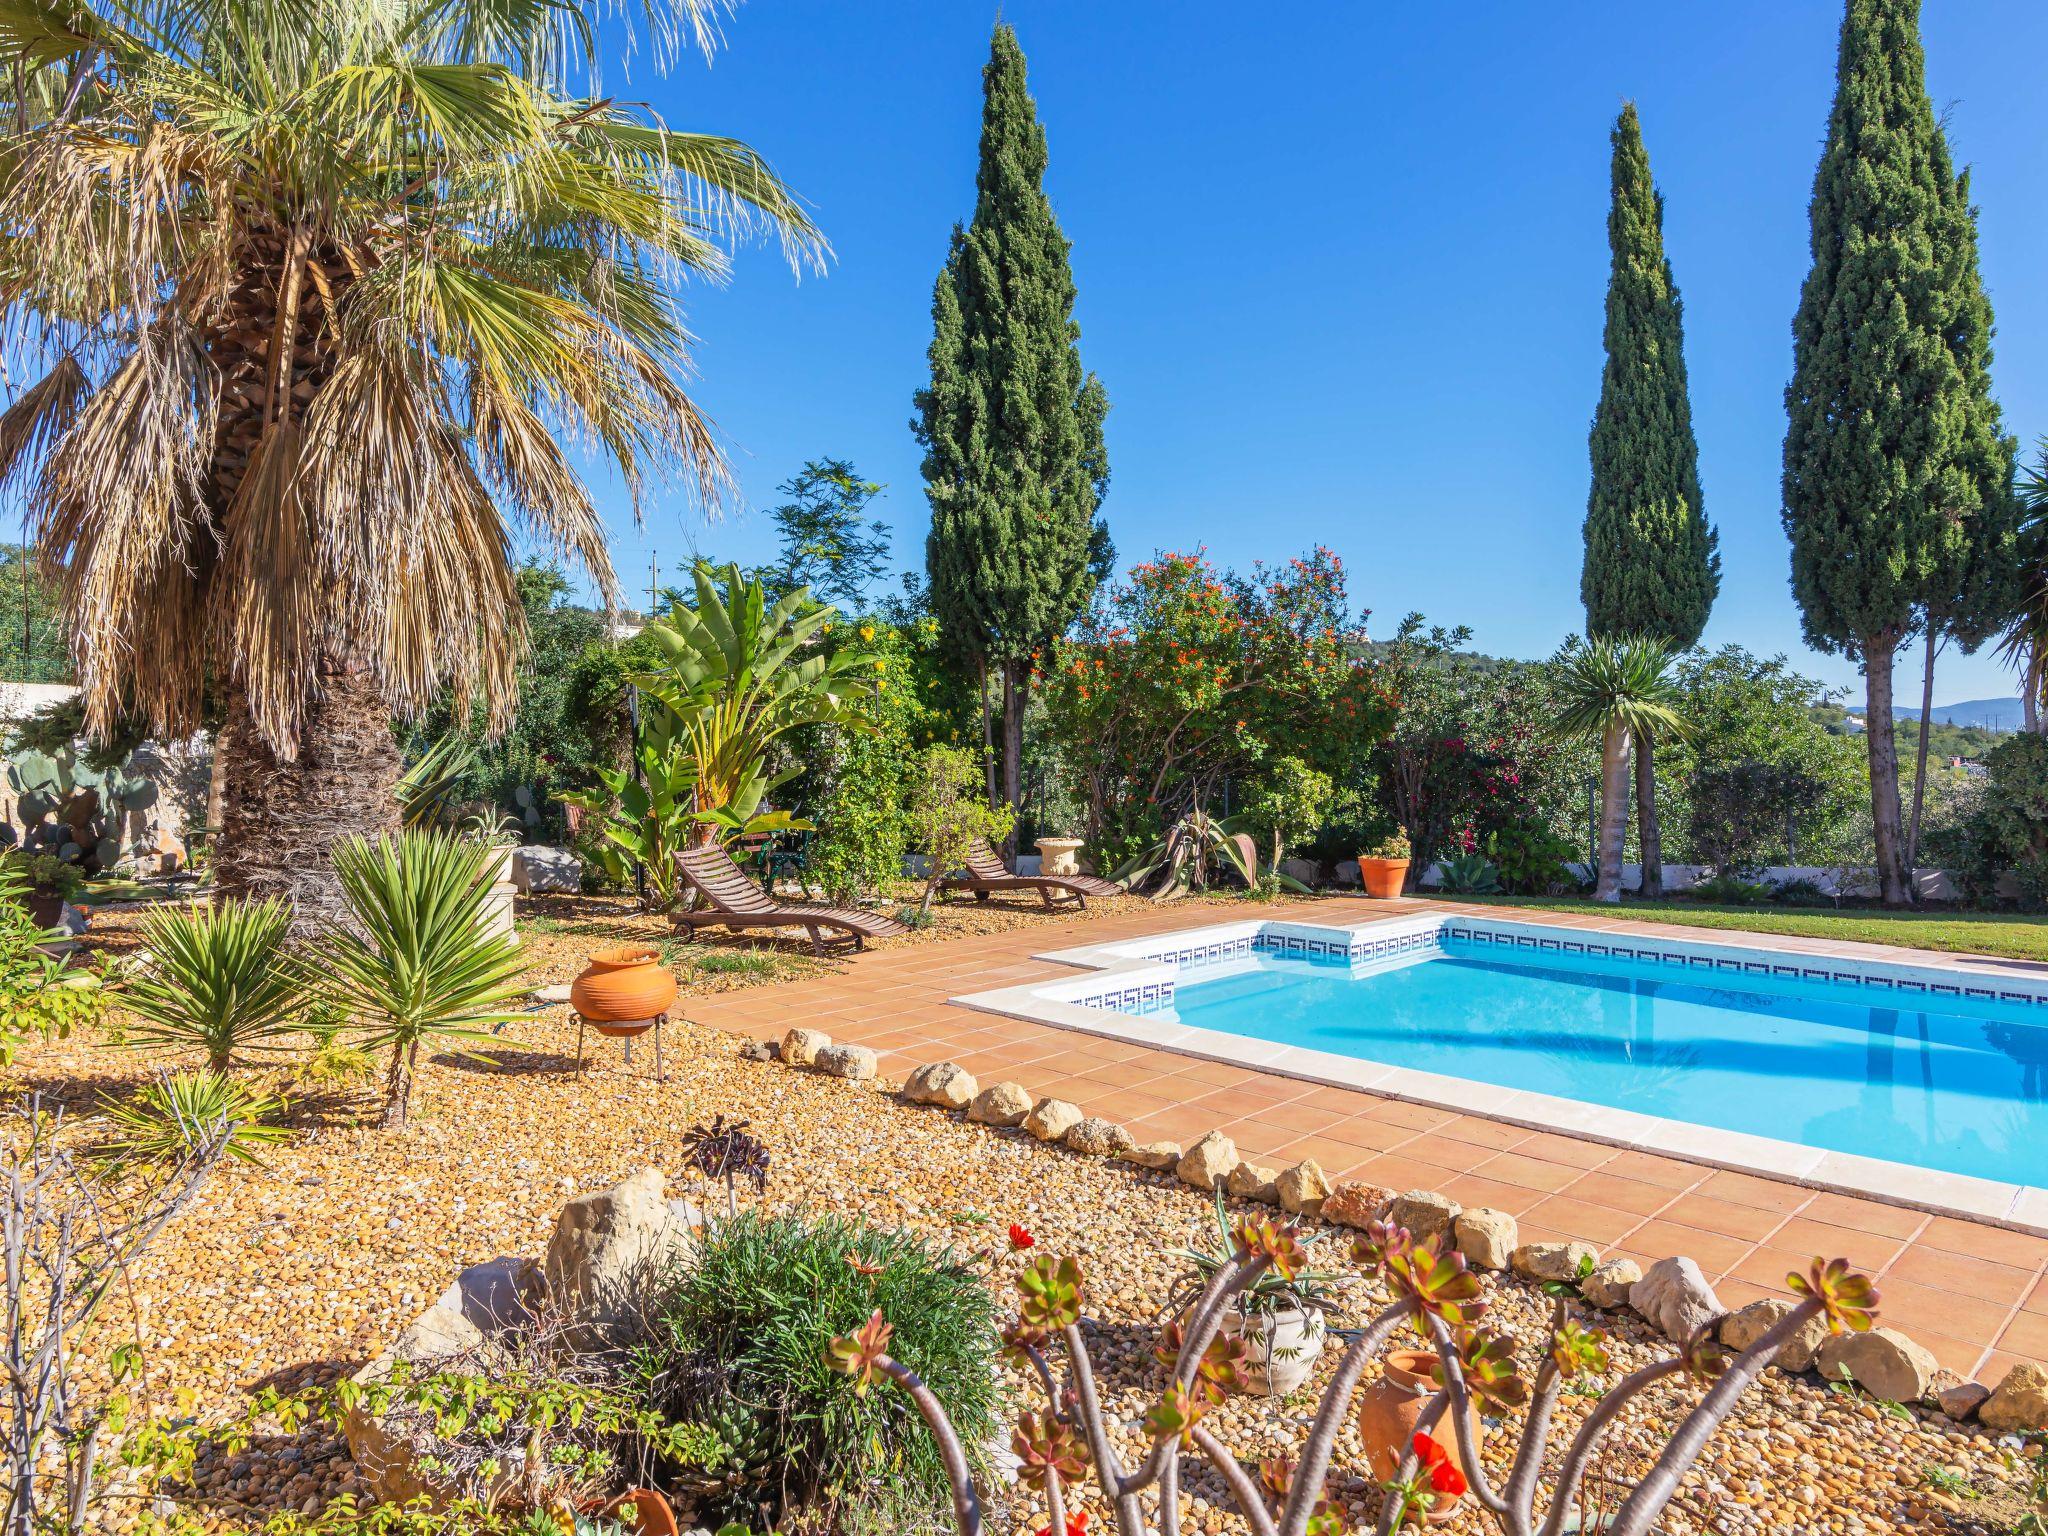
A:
x: 334, y: 1058
x: 1803, y: 893
x: 1731, y: 890
x: 1468, y: 874
x: 741, y: 1346
x: 918, y: 916
x: 172, y: 1117
x: 217, y: 980
x: 41, y: 994
x: 947, y: 816
x: 1389, y: 845
x: 1947, y: 1480
x: 420, y: 962
x: 1306, y: 1290
x: 1532, y: 859
x: 1570, y: 1288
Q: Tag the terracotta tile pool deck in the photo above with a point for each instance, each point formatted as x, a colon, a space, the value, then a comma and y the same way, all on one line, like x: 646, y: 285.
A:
x: 1974, y: 1294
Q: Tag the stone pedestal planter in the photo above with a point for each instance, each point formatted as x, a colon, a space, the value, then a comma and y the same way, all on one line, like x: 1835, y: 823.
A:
x: 1059, y: 855
x: 498, y: 905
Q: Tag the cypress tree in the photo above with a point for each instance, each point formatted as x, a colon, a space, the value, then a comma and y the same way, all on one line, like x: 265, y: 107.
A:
x: 1897, y: 475
x: 1011, y: 423
x: 1652, y: 567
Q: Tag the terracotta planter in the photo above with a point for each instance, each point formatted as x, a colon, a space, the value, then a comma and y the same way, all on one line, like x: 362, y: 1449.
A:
x: 1387, y: 1411
x: 623, y: 990
x: 1383, y: 877
x: 45, y: 908
x: 1281, y: 1349
x: 644, y: 1512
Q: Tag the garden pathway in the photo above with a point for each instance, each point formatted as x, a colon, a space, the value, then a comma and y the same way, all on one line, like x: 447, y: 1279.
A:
x: 1976, y: 1295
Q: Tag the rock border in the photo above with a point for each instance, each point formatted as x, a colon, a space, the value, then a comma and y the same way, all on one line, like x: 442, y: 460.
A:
x: 1673, y: 1296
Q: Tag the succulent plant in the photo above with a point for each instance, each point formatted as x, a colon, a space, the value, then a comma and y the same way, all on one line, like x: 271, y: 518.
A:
x: 72, y: 810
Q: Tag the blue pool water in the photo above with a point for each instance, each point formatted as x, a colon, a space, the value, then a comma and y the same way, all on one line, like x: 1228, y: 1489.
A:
x: 1823, y: 1063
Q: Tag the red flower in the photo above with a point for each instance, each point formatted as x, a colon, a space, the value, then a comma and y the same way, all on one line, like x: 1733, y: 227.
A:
x: 1443, y: 1477
x: 1077, y: 1525
x: 1020, y: 1239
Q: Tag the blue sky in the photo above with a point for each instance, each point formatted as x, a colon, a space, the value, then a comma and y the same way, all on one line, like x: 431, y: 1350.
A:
x: 1341, y: 268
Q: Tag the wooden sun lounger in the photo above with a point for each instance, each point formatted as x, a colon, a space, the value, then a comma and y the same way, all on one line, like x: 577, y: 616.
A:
x: 987, y: 874
x: 736, y: 902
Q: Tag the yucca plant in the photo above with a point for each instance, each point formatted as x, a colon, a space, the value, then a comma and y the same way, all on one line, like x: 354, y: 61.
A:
x: 1616, y: 690
x: 420, y: 961
x: 181, y: 1114
x: 315, y: 296
x: 218, y: 980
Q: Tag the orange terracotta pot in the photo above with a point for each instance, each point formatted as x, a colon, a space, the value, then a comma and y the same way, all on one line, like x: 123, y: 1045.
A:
x: 625, y: 986
x: 644, y: 1512
x: 1383, y: 877
x: 1387, y: 1411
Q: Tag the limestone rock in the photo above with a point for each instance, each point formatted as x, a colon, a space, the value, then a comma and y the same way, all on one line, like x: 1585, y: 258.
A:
x: 855, y: 1063
x: 552, y: 996
x: 1000, y: 1104
x: 1097, y: 1137
x: 1550, y: 1262
x: 1208, y: 1162
x: 1742, y: 1328
x: 946, y: 1084
x: 1485, y: 1236
x: 1050, y: 1119
x: 605, y: 1244
x: 1609, y: 1285
x: 800, y: 1047
x: 1675, y: 1298
x: 2019, y: 1404
x: 759, y: 1050
x: 1252, y: 1181
x: 1962, y: 1401
x: 1354, y: 1203
x: 1160, y: 1156
x: 1426, y: 1214
x: 540, y: 868
x: 1884, y: 1363
x: 1303, y: 1188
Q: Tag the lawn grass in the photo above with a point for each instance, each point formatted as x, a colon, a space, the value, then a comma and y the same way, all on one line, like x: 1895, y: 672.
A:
x: 2007, y: 935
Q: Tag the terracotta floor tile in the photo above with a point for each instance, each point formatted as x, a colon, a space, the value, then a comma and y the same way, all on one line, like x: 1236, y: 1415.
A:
x: 1713, y: 1252
x: 1649, y: 1168
x: 1127, y: 1104
x: 1345, y: 1100
x: 1533, y: 1172
x: 1373, y: 1134
x: 1915, y: 1309
x: 1475, y: 1131
x: 1736, y: 1294
x: 1257, y: 1139
x: 2026, y: 1334
x: 1812, y: 1239
x: 1471, y: 1189
x: 1864, y: 1215
x: 1216, y: 1074
x: 1179, y: 1124
x: 1234, y: 1103
x: 1599, y: 1224
x: 1706, y: 1213
x: 2037, y: 1298
x: 1393, y: 1171
x: 1337, y: 1159
x: 2022, y: 1250
x: 1421, y: 1117
x: 1958, y: 1355
x: 1605, y: 1188
x: 1748, y: 1189
x: 1992, y: 1368
x: 1959, y: 1273
x: 1573, y: 1153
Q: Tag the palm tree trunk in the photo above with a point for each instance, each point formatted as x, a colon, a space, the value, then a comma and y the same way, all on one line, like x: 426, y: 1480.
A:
x: 2030, y: 691
x: 281, y: 816
x: 1920, y: 754
x: 1882, y: 744
x: 1613, y: 811
x: 1648, y: 834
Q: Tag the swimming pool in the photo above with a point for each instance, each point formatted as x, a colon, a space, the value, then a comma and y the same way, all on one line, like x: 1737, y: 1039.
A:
x: 1926, y: 1083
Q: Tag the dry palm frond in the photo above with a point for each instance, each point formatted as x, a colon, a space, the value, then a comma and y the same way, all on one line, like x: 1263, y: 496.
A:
x: 322, y: 287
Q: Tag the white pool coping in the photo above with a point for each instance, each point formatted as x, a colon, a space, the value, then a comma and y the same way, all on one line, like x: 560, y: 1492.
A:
x: 1146, y: 968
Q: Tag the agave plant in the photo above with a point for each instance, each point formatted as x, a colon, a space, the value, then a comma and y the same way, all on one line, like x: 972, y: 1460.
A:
x: 1184, y: 857
x: 180, y: 1115
x: 1468, y: 874
x: 425, y: 963
x: 427, y: 788
x: 217, y: 980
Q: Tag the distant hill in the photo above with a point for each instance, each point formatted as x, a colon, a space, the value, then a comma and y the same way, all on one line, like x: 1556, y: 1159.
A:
x: 1986, y: 714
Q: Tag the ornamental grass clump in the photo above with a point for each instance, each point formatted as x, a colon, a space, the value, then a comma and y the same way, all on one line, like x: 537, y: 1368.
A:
x: 1433, y: 1292
x: 741, y: 1347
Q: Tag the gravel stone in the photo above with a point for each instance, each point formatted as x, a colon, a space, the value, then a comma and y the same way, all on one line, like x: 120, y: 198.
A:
x: 2019, y: 1403
x: 1160, y: 1156
x: 1253, y: 1181
x: 944, y: 1084
x: 1886, y: 1364
x: 800, y: 1047
x: 1608, y: 1286
x: 1208, y: 1162
x: 1486, y: 1237
x: 855, y: 1063
x: 1051, y: 1119
x: 1097, y: 1137
x: 1303, y: 1188
x: 1000, y: 1104
x: 1674, y: 1296
x: 1962, y: 1400
x: 1551, y: 1262
x: 1426, y: 1214
x: 1742, y: 1328
x: 1355, y: 1203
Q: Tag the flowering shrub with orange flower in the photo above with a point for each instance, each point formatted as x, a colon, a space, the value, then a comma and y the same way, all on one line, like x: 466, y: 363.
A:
x: 1184, y: 678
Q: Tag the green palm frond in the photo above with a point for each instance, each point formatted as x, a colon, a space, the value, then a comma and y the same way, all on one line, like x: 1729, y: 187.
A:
x: 1605, y: 683
x: 180, y: 1115
x: 217, y: 979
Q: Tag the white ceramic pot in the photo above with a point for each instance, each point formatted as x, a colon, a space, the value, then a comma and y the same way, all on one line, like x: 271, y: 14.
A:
x: 1281, y: 1349
x: 1059, y: 855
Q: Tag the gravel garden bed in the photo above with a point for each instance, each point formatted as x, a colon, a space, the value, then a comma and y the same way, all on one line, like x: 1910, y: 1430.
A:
x: 297, y: 1272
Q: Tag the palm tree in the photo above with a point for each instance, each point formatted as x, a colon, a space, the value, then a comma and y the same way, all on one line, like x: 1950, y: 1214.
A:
x: 317, y: 288
x: 1616, y: 689
x: 2026, y: 641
